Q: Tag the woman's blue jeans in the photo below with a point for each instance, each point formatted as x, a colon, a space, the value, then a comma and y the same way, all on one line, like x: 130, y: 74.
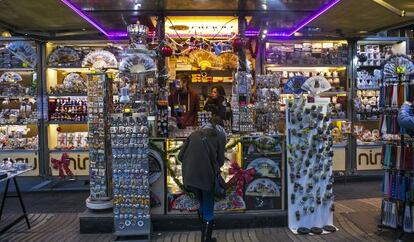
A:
x: 206, y: 200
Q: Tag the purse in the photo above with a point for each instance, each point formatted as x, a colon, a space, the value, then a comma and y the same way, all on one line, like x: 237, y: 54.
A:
x: 219, y: 183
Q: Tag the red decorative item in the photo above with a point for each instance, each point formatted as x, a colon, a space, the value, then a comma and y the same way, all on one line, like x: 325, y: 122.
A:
x: 240, y: 177
x: 237, y: 44
x: 166, y: 51
x: 62, y: 165
x: 59, y: 129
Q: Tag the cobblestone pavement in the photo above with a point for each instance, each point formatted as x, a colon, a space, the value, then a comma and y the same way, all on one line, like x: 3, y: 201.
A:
x: 356, y: 219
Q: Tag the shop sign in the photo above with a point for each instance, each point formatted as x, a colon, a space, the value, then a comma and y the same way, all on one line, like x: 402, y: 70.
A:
x: 369, y: 158
x: 30, y: 158
x: 79, y: 163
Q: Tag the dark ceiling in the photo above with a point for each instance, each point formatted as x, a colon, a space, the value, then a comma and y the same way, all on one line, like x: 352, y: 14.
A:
x: 50, y: 17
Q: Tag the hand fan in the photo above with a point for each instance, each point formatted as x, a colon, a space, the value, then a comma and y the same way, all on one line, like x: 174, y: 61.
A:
x: 100, y: 59
x: 316, y: 85
x: 137, y: 63
x: 294, y: 84
x: 24, y: 51
x: 396, y: 65
x: 64, y: 56
x: 10, y: 77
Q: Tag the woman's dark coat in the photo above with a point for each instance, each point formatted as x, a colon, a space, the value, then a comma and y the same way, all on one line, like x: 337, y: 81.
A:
x: 198, y: 172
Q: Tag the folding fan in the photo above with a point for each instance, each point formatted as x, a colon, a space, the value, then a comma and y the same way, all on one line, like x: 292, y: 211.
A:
x: 72, y: 80
x: 231, y: 202
x: 185, y: 202
x: 398, y: 64
x: 294, y: 84
x: 136, y: 63
x: 316, y: 85
x: 100, y: 59
x: 204, y: 59
x: 24, y: 52
x: 263, y: 187
x: 64, y: 56
x: 228, y: 60
x: 10, y: 77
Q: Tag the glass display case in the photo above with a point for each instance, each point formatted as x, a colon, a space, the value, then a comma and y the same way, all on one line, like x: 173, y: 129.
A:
x: 20, y: 105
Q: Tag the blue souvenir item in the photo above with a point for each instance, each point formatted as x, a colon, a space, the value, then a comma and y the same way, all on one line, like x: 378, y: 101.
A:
x: 294, y: 85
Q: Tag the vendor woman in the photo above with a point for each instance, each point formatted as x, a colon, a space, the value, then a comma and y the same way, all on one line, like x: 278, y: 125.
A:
x: 216, y: 103
x: 184, y: 103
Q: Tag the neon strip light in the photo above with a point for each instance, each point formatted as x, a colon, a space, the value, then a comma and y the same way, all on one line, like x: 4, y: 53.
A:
x: 119, y: 34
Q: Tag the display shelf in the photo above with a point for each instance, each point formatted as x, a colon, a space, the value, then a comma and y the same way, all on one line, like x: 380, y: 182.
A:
x: 369, y: 144
x: 17, y: 151
x: 20, y: 123
x: 67, y: 122
x: 306, y: 66
x: 18, y: 97
x: 369, y: 89
x: 18, y: 69
x: 68, y: 151
x: 68, y: 95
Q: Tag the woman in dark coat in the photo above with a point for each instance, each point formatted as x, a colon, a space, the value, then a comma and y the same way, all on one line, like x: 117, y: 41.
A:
x: 216, y: 103
x: 202, y: 156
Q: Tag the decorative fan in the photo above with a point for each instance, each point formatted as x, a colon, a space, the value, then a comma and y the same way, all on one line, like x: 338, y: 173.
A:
x: 265, y: 167
x: 137, y: 63
x: 316, y: 85
x: 229, y: 61
x: 230, y: 203
x: 397, y: 65
x: 263, y: 187
x: 64, y: 56
x: 24, y: 52
x: 155, y: 166
x: 266, y: 143
x: 11, y: 77
x: 72, y: 80
x: 100, y: 59
x: 154, y: 200
x: 294, y: 85
x: 185, y: 202
x: 204, y: 59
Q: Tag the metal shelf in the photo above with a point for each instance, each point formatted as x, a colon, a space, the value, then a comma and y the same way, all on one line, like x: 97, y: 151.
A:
x: 18, y: 97
x: 17, y: 151
x: 67, y: 122
x: 19, y: 123
x: 68, y: 151
x: 18, y: 69
x: 68, y: 95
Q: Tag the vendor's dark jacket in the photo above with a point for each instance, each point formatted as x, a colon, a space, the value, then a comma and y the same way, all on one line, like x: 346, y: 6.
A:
x: 198, y: 172
x: 216, y: 107
x: 188, y: 118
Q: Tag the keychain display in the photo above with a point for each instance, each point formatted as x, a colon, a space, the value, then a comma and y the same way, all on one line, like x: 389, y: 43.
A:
x: 99, y: 95
x: 267, y: 102
x: 129, y: 140
x: 310, y: 159
x: 203, y: 117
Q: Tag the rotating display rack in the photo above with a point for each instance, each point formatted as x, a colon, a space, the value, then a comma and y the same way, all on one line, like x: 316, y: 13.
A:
x: 100, y: 162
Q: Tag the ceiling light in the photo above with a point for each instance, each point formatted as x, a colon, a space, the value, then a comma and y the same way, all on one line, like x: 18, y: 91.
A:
x: 362, y: 32
x: 263, y: 36
x: 264, y: 6
x: 265, y: 31
x: 6, y: 34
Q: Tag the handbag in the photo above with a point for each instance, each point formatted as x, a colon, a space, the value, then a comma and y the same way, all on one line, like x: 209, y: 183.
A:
x: 219, y: 183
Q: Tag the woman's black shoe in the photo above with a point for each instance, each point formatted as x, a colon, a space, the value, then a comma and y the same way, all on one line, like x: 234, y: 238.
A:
x: 207, y: 232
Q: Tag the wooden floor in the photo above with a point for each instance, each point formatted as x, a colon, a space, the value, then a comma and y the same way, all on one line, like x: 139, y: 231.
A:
x: 356, y: 219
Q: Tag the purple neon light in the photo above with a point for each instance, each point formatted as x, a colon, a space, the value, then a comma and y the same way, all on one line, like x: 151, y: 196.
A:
x: 118, y: 34
x: 307, y: 20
